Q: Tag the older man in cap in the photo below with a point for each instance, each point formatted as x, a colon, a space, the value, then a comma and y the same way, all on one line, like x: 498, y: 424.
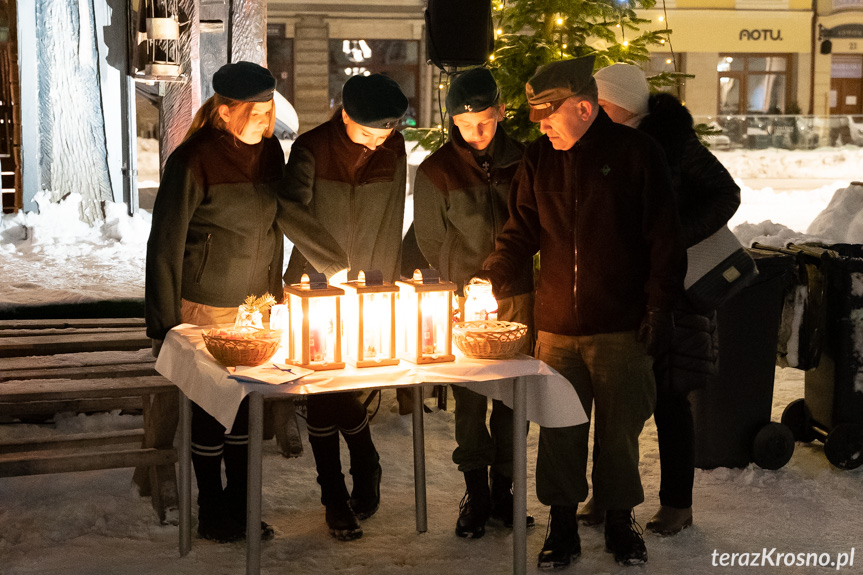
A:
x: 460, y: 205
x: 351, y: 172
x: 594, y: 197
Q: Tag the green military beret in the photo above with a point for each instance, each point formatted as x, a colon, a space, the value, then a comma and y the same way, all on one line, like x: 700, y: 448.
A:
x: 473, y: 90
x: 374, y: 101
x: 245, y: 82
x: 554, y: 83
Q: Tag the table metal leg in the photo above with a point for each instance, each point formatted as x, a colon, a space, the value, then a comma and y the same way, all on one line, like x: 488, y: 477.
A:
x: 253, y: 495
x: 519, y: 476
x: 419, y: 460
x: 185, y: 460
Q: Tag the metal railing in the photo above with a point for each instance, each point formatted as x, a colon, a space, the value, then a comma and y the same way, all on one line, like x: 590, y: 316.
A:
x: 790, y: 132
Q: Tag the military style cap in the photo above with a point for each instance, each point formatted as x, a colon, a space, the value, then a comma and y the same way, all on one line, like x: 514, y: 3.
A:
x: 471, y: 91
x: 374, y: 101
x: 554, y: 83
x: 245, y: 82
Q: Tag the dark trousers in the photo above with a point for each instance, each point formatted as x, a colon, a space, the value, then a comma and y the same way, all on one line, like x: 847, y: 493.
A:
x: 613, y: 372
x: 675, y: 432
x: 479, y: 446
x: 211, y: 445
x: 327, y: 415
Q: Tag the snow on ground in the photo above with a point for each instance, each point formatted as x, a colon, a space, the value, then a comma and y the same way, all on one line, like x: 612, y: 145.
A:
x: 94, y: 523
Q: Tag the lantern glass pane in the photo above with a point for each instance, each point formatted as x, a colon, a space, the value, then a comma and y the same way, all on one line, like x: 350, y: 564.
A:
x: 434, y: 317
x: 376, y: 326
x: 408, y: 302
x: 322, y: 329
x: 296, y: 309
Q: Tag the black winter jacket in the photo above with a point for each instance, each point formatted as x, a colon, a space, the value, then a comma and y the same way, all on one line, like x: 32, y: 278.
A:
x: 707, y: 197
x: 218, y: 219
x: 603, y: 215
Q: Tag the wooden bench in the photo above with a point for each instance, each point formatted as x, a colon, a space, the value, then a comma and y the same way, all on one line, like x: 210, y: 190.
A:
x: 74, y: 373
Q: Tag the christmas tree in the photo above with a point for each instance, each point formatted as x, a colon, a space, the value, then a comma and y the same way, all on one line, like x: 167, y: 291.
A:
x: 532, y: 33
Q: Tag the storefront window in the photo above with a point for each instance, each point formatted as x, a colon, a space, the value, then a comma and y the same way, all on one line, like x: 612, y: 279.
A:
x: 840, y: 4
x: 762, y: 78
x: 280, y: 59
x: 398, y: 59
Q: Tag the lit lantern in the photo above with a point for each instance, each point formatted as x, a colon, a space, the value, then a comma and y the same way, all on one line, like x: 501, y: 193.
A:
x: 479, y: 301
x: 370, y: 320
x: 425, y: 310
x: 315, y: 339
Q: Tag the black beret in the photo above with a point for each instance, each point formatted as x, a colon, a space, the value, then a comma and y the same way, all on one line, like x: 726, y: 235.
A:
x: 473, y: 90
x: 374, y: 101
x: 554, y: 83
x: 245, y: 82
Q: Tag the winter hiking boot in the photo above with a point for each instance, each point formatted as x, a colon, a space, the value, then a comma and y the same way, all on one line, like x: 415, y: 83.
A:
x: 501, y: 501
x: 591, y: 513
x: 342, y: 521
x: 623, y: 537
x: 475, y: 506
x: 366, y: 493
x: 220, y: 528
x: 562, y: 543
x: 670, y: 520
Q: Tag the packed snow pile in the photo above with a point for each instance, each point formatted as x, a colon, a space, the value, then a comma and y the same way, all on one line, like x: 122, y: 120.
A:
x: 51, y: 256
x: 843, y: 216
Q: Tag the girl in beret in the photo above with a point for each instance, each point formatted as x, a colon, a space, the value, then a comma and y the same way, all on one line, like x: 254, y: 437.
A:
x: 216, y: 238
x: 351, y: 172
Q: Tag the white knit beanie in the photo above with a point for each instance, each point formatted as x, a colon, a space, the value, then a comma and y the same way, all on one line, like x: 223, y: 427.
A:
x: 625, y: 86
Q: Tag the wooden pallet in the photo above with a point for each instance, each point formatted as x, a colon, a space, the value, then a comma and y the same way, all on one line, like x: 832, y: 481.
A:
x: 69, y: 375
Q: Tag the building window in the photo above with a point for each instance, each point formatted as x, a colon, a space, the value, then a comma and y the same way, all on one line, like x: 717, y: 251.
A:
x: 280, y: 59
x: 845, y: 4
x: 398, y: 59
x: 753, y: 83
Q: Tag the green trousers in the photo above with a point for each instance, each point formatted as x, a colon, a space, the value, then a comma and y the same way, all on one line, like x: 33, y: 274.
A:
x: 614, y: 373
x: 478, y: 445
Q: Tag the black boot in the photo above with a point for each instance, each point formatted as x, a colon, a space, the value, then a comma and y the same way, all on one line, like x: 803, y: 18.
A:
x: 341, y: 520
x: 214, y: 522
x: 562, y: 543
x: 475, y: 506
x: 623, y: 537
x: 237, y: 475
x: 501, y: 501
x: 365, y: 470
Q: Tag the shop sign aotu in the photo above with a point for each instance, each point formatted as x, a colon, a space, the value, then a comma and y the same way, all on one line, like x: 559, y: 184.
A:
x: 766, y: 34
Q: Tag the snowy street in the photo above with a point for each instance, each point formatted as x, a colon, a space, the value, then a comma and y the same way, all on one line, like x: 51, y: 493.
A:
x: 94, y: 523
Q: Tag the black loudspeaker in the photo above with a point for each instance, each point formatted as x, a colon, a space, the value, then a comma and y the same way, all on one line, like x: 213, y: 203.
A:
x: 458, y: 32
x: 826, y: 47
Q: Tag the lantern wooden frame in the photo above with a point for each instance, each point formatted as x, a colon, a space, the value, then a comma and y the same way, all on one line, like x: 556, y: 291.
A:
x: 300, y: 297
x: 369, y: 284
x: 425, y: 283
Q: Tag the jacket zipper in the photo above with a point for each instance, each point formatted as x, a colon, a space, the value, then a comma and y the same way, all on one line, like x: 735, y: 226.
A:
x: 258, y: 251
x: 491, y: 194
x: 204, y: 258
x: 575, y: 252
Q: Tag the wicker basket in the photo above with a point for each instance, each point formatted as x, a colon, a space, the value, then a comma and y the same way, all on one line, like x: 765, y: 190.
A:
x: 231, y: 352
x: 489, y: 339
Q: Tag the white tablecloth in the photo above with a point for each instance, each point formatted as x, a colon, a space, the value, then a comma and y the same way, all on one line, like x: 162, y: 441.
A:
x: 184, y: 359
